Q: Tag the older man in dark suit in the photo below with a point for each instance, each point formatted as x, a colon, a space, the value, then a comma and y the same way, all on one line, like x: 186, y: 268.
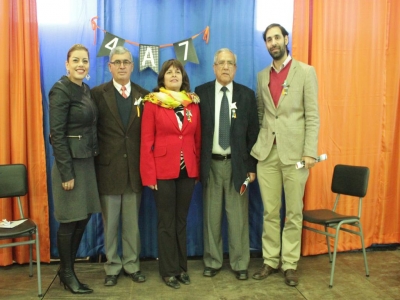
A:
x: 117, y: 167
x: 229, y: 131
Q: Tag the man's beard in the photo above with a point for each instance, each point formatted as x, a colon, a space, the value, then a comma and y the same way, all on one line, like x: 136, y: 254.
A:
x: 277, y: 55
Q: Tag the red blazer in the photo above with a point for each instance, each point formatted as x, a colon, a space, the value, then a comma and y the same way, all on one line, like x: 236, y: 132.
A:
x: 162, y: 142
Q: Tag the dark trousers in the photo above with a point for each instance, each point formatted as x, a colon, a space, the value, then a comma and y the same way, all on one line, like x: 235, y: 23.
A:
x: 173, y: 201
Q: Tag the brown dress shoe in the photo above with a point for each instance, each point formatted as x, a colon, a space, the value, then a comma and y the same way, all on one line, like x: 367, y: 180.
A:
x: 264, y: 272
x: 291, y: 277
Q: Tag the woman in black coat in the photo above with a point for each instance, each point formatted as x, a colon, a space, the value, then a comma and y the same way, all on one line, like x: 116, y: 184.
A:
x: 73, y: 118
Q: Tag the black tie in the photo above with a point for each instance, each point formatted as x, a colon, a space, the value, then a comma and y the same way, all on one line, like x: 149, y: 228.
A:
x: 224, y: 123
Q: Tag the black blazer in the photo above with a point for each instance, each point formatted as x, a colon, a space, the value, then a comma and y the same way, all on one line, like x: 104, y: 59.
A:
x: 73, y: 117
x: 244, y: 131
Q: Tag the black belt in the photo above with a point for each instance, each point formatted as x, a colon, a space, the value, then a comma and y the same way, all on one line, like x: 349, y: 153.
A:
x: 221, y: 156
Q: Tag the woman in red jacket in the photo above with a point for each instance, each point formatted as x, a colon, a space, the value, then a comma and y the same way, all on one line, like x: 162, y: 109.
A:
x: 169, y: 164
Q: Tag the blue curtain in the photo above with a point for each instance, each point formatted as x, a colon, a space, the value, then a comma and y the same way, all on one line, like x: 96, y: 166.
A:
x: 233, y: 24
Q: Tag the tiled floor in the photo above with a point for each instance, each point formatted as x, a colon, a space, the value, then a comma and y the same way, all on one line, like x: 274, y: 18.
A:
x: 350, y: 281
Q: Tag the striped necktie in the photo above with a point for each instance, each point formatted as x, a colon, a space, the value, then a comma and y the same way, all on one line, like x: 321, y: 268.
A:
x: 179, y: 112
x: 123, y: 89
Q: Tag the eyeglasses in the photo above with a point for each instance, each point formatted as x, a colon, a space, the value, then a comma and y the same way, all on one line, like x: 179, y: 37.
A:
x: 118, y: 63
x: 222, y: 63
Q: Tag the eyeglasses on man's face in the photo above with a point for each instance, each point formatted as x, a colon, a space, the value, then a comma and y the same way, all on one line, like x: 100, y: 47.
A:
x: 222, y: 63
x: 118, y: 63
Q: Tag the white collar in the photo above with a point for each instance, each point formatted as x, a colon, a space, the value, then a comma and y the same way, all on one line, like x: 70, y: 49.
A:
x: 287, y: 60
x: 119, y: 86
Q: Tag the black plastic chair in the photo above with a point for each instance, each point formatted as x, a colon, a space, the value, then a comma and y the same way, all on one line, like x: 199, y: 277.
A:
x: 13, y: 184
x: 347, y: 180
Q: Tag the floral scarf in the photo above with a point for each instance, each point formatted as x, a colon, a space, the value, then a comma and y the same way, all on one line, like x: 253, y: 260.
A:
x: 170, y: 99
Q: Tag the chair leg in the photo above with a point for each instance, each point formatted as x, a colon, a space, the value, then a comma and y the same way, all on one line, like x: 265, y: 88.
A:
x: 30, y: 256
x: 328, y: 245
x: 334, y: 255
x: 363, y: 249
x: 39, y: 274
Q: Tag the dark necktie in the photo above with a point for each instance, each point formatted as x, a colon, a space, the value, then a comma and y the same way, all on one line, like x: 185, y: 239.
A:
x: 224, y: 122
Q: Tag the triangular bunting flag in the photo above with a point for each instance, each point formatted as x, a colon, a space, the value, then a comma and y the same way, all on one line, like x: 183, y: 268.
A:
x: 110, y: 42
x: 185, y: 51
x: 149, y: 57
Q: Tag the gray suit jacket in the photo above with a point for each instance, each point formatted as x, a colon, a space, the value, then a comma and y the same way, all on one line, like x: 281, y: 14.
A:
x: 295, y: 121
x: 244, y: 131
x: 118, y: 161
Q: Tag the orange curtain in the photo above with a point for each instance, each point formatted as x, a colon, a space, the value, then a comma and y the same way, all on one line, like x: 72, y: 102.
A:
x: 21, y: 120
x: 355, y: 48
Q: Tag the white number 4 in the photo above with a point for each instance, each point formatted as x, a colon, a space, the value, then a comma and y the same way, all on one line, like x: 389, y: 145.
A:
x: 111, y: 44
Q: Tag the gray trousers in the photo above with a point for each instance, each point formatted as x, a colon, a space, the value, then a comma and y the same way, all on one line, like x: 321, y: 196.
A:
x: 125, y: 209
x: 219, y: 187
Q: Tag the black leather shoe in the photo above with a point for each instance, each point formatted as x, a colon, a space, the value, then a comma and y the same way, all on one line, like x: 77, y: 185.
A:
x: 210, y: 272
x: 242, y: 275
x: 111, y: 280
x: 84, y: 285
x: 136, y: 277
x: 184, y: 278
x: 71, y: 283
x: 172, y: 282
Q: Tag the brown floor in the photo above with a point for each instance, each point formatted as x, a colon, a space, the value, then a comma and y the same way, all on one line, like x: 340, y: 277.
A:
x: 350, y: 281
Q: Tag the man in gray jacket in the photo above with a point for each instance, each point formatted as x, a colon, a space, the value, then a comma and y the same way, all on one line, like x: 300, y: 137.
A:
x: 287, y: 100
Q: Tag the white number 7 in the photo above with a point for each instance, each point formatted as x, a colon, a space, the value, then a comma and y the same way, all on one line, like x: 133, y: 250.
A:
x: 186, y: 44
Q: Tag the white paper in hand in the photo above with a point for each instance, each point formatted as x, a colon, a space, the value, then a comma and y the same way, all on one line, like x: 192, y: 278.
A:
x: 322, y: 157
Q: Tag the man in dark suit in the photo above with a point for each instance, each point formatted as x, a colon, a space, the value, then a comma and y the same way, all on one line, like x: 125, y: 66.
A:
x: 117, y: 167
x: 229, y: 131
